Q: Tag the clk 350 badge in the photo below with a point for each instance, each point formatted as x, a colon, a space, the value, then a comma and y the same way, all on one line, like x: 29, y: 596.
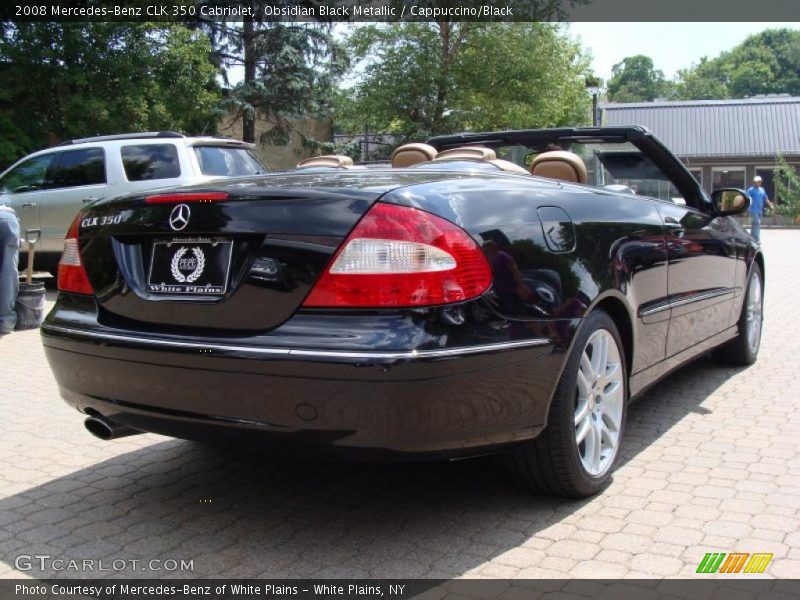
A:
x: 195, y: 264
x: 103, y: 220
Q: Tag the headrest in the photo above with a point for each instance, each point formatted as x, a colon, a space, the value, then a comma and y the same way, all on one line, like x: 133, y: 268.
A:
x: 467, y: 153
x: 412, y: 154
x: 561, y: 165
x: 508, y: 166
x: 329, y: 160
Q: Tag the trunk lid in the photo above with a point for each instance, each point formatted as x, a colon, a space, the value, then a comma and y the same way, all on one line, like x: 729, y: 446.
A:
x: 242, y: 264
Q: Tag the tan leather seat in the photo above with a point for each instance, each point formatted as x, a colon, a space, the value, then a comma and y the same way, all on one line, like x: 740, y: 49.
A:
x: 509, y: 167
x: 561, y: 165
x: 336, y: 161
x: 412, y: 154
x: 467, y: 153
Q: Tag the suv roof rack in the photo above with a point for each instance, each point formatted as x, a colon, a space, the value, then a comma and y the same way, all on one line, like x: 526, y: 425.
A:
x: 124, y: 136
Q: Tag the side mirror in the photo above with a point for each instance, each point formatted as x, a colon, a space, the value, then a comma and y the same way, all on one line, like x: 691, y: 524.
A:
x: 730, y: 201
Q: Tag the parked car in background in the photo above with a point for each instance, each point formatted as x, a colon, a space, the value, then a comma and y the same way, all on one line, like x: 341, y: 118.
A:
x: 452, y: 305
x: 48, y: 188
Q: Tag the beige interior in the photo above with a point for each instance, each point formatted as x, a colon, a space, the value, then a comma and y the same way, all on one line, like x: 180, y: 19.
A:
x: 467, y: 153
x: 329, y: 160
x: 561, y: 165
x: 508, y: 166
x: 412, y: 154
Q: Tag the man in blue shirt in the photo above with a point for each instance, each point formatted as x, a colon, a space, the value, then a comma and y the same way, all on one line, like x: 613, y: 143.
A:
x: 758, y: 197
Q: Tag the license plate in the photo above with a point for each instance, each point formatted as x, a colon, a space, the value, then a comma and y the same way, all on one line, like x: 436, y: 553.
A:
x: 190, y: 266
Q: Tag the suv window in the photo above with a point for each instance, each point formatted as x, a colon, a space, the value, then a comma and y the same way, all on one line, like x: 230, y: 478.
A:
x: 75, y: 168
x: 228, y: 162
x: 27, y: 176
x: 150, y: 161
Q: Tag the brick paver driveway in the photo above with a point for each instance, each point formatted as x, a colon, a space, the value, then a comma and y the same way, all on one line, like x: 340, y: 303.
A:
x: 712, y: 463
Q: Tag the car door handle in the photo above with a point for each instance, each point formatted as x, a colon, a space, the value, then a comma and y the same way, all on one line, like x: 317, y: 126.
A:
x: 89, y: 199
x: 29, y: 205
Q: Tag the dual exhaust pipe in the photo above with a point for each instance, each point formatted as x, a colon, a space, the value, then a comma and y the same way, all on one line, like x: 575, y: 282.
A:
x: 104, y: 429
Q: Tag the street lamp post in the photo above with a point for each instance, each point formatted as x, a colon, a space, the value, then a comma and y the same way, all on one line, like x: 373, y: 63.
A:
x: 594, y: 84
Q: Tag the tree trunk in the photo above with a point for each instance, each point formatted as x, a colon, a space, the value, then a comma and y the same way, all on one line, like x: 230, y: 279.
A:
x: 442, y: 79
x: 248, y: 45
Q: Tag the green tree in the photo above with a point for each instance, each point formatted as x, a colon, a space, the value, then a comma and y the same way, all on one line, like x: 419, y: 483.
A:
x: 703, y: 81
x: 787, y: 188
x: 765, y: 63
x: 289, y: 72
x: 422, y: 79
x: 537, y: 78
x: 635, y: 79
x: 65, y: 80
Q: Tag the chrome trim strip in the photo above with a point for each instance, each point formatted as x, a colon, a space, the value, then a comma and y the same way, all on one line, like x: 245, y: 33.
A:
x: 290, y: 352
x: 687, y: 300
x: 655, y: 309
x: 702, y: 296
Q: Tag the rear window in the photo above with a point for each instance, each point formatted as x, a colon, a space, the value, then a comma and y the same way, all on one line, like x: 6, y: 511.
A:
x: 228, y: 162
x: 75, y: 168
x: 144, y: 162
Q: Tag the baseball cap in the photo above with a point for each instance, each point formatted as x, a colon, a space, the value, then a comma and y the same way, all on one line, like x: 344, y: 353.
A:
x: 757, y: 178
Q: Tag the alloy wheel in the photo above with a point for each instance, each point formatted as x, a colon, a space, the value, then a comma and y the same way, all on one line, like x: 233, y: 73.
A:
x: 754, y: 313
x: 599, y: 402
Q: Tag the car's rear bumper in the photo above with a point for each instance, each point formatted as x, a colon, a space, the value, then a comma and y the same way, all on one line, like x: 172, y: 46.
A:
x: 455, y: 401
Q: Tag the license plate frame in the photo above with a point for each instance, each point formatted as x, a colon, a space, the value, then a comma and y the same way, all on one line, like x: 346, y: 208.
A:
x: 190, y: 267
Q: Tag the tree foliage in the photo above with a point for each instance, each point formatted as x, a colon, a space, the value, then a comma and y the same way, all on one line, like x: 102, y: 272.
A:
x: 787, y: 188
x: 765, y: 63
x: 635, y: 79
x: 290, y: 70
x: 66, y: 80
x: 422, y: 79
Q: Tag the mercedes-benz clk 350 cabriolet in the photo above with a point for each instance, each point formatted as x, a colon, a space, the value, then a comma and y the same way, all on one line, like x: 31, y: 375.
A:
x: 453, y: 304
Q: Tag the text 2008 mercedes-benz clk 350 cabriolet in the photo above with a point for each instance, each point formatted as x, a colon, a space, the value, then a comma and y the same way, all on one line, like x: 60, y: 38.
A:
x: 453, y: 304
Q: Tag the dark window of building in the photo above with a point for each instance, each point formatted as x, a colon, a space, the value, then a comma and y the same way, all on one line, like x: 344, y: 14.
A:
x: 150, y: 161
x: 74, y: 168
x: 725, y: 177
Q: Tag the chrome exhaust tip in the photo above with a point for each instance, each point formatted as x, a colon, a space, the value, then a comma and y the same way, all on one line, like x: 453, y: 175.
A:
x: 102, y: 428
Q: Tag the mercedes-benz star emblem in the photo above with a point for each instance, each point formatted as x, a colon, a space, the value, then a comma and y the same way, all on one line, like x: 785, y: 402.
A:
x: 179, y: 217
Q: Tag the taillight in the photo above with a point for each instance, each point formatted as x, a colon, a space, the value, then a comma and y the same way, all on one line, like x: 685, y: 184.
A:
x: 181, y: 197
x: 71, y: 274
x: 402, y: 257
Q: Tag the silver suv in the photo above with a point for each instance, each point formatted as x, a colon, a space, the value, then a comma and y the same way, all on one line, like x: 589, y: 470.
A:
x: 49, y: 187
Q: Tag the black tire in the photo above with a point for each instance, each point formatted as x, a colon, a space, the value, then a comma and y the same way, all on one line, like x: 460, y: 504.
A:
x: 739, y: 351
x: 551, y: 463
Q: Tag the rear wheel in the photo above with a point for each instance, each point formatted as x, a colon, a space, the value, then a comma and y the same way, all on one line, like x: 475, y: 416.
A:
x: 743, y: 349
x: 575, y: 455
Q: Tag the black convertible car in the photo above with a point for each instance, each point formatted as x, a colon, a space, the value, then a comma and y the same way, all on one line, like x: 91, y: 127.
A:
x: 492, y: 292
